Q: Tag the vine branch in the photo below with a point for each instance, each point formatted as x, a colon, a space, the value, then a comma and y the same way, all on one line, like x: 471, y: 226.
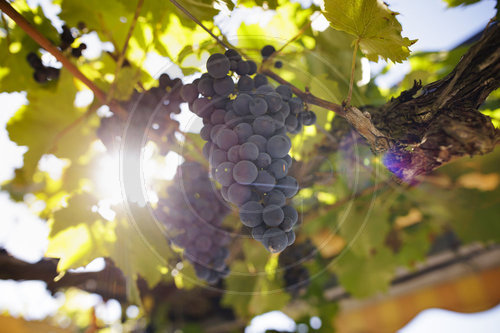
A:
x: 47, y: 45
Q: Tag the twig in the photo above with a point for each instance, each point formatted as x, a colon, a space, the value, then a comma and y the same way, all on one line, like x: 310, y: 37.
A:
x: 307, y: 96
x: 185, y: 11
x: 47, y: 45
x: 121, y: 57
x: 353, y: 67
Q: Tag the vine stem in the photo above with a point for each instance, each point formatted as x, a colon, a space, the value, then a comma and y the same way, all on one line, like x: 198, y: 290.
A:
x: 191, y: 16
x: 47, y: 45
x: 121, y: 57
x: 307, y: 96
x: 353, y: 67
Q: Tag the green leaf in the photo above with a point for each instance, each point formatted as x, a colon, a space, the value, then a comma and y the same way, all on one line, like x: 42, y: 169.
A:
x: 456, y: 3
x: 373, y: 24
x: 362, y: 277
x: 36, y: 125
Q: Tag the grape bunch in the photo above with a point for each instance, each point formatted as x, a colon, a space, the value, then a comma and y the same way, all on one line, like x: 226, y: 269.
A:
x: 164, y: 99
x: 42, y: 73
x: 245, y: 126
x: 296, y: 276
x: 192, y: 213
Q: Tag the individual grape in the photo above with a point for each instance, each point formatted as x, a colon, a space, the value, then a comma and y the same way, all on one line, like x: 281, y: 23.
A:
x: 40, y: 75
x: 34, y: 61
x: 249, y: 151
x: 285, y: 109
x: 291, y: 123
x: 226, y: 138
x: 265, y: 181
x: 281, y: 131
x: 232, y: 119
x: 264, y: 125
x: 233, y: 65
x: 243, y: 131
x: 218, y: 116
x: 52, y: 73
x: 218, y: 65
x: 245, y: 83
x: 272, y: 215
x: 202, y: 272
x: 275, y: 240
x: 205, y: 132
x: 290, y: 219
x: 290, y: 237
x: 275, y: 197
x: 206, y: 87
x: 260, y: 80
x: 278, y: 168
x: 288, y: 185
x: 66, y: 37
x: 278, y: 146
x: 202, y: 107
x: 253, y: 67
x: 224, y: 86
x: 297, y: 129
x: 239, y: 194
x: 308, y: 118
x: 251, y: 214
x: 285, y: 92
x: 265, y: 89
x: 258, y: 106
x: 224, y: 173
x: 233, y: 154
x: 267, y: 50
x: 245, y: 172
x: 220, y: 102
x: 258, y: 232
x: 215, y: 131
x: 241, y: 104
x: 279, y: 120
x: 278, y: 64
x: 273, y: 100
x: 189, y: 92
x: 208, y: 147
x: 288, y: 160
x: 259, y: 141
x: 296, y: 105
x: 165, y: 81
x: 243, y: 68
x: 263, y: 160
x: 232, y: 54
x: 217, y: 156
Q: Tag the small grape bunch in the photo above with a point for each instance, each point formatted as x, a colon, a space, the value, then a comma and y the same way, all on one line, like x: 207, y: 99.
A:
x: 246, y: 121
x: 67, y: 39
x: 42, y: 74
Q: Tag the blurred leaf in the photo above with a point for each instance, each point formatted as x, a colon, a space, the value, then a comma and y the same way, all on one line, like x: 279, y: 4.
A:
x: 374, y: 24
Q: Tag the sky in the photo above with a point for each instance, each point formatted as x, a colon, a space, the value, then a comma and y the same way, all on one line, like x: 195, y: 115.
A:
x: 25, y: 235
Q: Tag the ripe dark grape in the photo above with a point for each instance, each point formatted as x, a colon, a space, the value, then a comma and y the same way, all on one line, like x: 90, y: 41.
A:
x: 267, y: 51
x: 239, y: 194
x: 232, y: 55
x: 249, y: 151
x: 217, y: 117
x: 243, y: 131
x: 233, y: 154
x: 288, y: 185
x: 206, y: 87
x: 275, y: 197
x: 275, y: 240
x: 251, y: 214
x: 226, y: 138
x: 273, y: 215
x: 258, y: 106
x: 260, y: 80
x: 308, y: 118
x: 279, y: 168
x: 264, y: 125
x: 224, y: 173
x: 263, y: 160
x: 189, y: 92
x: 278, y: 64
x: 253, y: 67
x: 241, y: 104
x: 243, y: 68
x: 224, y: 86
x: 265, y: 181
x: 245, y: 172
x: 245, y: 83
x: 218, y: 65
x: 259, y: 141
x: 285, y: 92
x: 278, y: 146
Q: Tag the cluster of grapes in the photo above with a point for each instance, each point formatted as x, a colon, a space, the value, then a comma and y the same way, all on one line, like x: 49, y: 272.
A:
x: 296, y: 275
x: 42, y: 73
x: 193, y: 212
x: 159, y: 102
x: 245, y: 126
x: 67, y: 39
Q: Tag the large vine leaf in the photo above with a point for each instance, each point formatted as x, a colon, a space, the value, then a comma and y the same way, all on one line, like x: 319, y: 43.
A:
x: 373, y: 24
x: 37, y: 124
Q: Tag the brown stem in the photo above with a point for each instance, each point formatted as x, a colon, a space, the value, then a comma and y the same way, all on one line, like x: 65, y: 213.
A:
x: 47, y: 45
x: 185, y: 11
x: 121, y: 57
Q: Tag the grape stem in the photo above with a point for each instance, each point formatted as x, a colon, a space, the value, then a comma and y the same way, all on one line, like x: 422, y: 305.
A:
x: 307, y: 96
x: 353, y: 67
x: 47, y: 45
x: 191, y: 16
x: 121, y: 57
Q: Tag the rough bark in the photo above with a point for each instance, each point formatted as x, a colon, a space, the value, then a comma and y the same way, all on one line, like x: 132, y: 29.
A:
x: 426, y: 127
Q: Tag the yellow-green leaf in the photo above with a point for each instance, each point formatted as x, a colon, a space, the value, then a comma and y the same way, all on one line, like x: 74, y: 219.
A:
x: 373, y: 24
